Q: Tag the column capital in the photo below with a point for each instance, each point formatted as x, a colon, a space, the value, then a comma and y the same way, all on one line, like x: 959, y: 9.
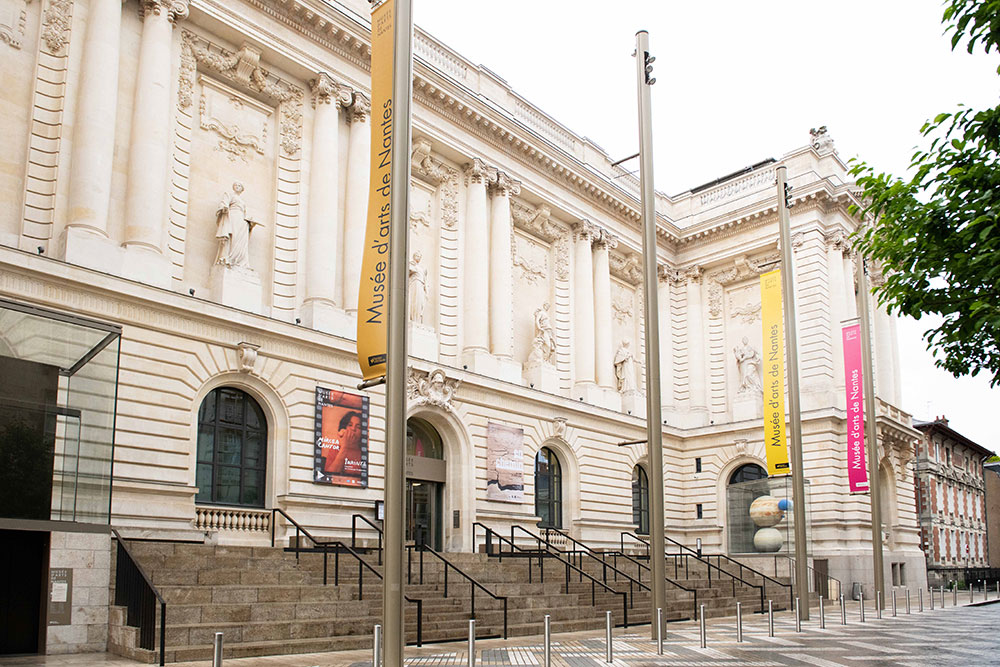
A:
x: 692, y: 274
x: 175, y: 9
x: 605, y: 240
x: 325, y: 90
x: 665, y: 274
x: 359, y: 107
x: 502, y: 184
x: 584, y: 230
x: 837, y: 239
x: 476, y: 172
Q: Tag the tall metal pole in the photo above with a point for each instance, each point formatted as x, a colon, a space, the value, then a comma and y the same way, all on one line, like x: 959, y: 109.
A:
x: 654, y: 430
x: 871, y: 428
x: 395, y: 380
x: 794, y: 406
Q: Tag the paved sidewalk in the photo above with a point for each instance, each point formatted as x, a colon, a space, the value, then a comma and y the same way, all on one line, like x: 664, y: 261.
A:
x: 966, y: 635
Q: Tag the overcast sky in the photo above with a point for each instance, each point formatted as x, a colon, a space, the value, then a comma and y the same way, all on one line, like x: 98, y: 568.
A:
x: 737, y: 82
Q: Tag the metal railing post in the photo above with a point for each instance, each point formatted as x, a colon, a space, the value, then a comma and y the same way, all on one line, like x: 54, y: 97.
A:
x: 377, y: 647
x: 472, y: 642
x: 798, y: 619
x: 843, y: 611
x: 907, y: 601
x: 972, y: 593
x: 878, y: 604
x: 894, y: 603
x: 217, y: 651
x: 610, y: 657
x: 932, y: 597
x: 739, y: 622
x: 548, y: 642
x: 954, y: 595
x: 861, y: 604
x: 770, y: 618
x: 822, y: 614
x: 920, y: 599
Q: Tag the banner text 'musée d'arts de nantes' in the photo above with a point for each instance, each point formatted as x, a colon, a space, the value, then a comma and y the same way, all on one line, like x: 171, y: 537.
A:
x: 857, y: 470
x: 373, y: 296
x: 773, y: 373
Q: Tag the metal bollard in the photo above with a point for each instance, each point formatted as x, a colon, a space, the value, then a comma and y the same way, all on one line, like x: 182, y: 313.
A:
x: 894, y: 603
x: 998, y: 590
x: 798, y: 619
x: 862, y: 606
x: 659, y: 631
x: 739, y: 622
x: 377, y: 647
x: 907, y: 600
x: 701, y: 623
x: 607, y: 621
x: 472, y: 642
x: 217, y: 653
x: 822, y: 614
x: 920, y: 599
x: 878, y: 604
x: 843, y: 611
x: 942, y: 596
x: 954, y: 595
x: 972, y: 593
x: 770, y: 619
x: 548, y: 642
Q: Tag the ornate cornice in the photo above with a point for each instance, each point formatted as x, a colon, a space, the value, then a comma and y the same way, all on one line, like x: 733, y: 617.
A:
x: 536, y: 221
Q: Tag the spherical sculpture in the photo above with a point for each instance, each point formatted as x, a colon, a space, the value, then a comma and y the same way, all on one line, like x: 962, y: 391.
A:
x: 766, y: 511
x: 768, y: 540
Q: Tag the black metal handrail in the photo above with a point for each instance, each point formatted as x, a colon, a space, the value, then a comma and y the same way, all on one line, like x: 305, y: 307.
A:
x: 556, y: 553
x: 708, y: 566
x: 378, y: 531
x: 791, y: 560
x: 601, y: 557
x: 135, y: 591
x: 473, y: 584
x: 341, y: 547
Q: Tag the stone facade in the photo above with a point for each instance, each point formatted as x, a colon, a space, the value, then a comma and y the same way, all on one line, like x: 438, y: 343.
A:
x: 951, y: 501
x: 138, y: 121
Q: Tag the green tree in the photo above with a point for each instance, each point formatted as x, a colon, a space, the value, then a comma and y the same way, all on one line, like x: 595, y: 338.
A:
x: 936, y: 232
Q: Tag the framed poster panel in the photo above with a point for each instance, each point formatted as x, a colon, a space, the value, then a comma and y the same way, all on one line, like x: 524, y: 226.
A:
x: 341, y: 443
x: 504, y: 463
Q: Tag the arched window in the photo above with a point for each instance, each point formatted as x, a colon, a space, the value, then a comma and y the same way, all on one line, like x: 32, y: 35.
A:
x: 640, y: 500
x: 423, y: 440
x: 232, y: 449
x: 548, y: 489
x: 747, y: 473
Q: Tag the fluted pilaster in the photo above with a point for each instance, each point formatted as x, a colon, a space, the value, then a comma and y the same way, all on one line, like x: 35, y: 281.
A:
x: 664, y: 321
x: 583, y: 303
x: 698, y: 399
x: 603, y: 345
x: 477, y: 260
x: 356, y: 197
x: 501, y: 266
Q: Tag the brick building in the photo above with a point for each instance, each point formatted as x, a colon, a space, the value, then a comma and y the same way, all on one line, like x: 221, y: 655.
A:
x: 950, y: 492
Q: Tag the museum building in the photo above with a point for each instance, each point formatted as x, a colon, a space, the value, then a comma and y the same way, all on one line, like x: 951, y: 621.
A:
x: 185, y: 189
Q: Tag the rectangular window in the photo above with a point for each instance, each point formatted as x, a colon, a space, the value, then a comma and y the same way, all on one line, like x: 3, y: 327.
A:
x: 697, y: 464
x: 698, y: 510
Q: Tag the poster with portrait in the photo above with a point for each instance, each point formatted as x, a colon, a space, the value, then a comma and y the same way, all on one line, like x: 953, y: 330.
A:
x: 504, y: 463
x: 341, y: 444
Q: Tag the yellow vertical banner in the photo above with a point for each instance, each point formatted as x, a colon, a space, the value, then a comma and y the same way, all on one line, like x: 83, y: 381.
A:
x: 373, y: 296
x: 773, y: 329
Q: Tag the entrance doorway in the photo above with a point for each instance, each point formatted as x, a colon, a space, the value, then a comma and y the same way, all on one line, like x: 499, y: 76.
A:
x: 425, y: 477
x: 23, y: 562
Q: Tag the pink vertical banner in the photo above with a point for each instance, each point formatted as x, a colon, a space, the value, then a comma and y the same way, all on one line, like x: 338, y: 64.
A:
x: 857, y: 470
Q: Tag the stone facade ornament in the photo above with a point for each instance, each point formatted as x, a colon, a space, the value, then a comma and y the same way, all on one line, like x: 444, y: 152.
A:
x: 820, y: 139
x: 417, y: 276
x: 246, y: 355
x: 327, y: 91
x: 559, y: 427
x: 176, y: 9
x: 233, y: 227
x: 625, y: 367
x: 748, y: 362
x: 55, y: 25
x: 431, y: 388
x: 742, y: 447
x: 543, y: 346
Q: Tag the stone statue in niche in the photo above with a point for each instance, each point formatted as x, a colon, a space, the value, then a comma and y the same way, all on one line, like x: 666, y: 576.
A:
x: 748, y: 362
x: 625, y: 367
x: 417, y: 289
x: 543, y: 346
x: 233, y: 228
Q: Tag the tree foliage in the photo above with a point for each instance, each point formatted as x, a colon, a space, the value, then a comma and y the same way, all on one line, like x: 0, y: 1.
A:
x: 936, y: 233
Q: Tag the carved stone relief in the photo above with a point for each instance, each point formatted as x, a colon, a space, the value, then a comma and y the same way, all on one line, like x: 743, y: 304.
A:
x: 431, y: 388
x: 532, y: 259
x: 743, y: 268
x: 622, y: 304
x: 627, y: 267
x: 246, y: 355
x: 13, y: 18
x: 239, y: 121
x: 535, y: 221
x: 55, y: 25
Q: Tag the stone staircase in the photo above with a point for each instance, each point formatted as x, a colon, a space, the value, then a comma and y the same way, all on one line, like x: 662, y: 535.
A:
x: 266, y: 601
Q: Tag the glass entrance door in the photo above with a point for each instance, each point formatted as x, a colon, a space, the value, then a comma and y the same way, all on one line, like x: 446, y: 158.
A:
x: 423, y: 513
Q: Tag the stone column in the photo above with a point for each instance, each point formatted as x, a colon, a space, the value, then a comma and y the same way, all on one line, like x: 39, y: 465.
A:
x: 838, y: 304
x: 477, y: 265
x: 885, y: 352
x: 94, y: 133
x: 850, y: 285
x: 696, y: 334
x: 149, y: 148
x: 664, y: 277
x: 322, y: 241
x: 583, y: 308
x: 501, y: 266
x: 356, y: 198
x: 604, y: 346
